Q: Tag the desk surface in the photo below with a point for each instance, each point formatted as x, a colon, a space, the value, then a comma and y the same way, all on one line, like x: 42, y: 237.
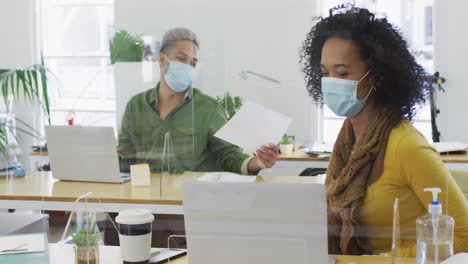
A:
x: 301, y: 156
x: 41, y: 186
x: 111, y: 254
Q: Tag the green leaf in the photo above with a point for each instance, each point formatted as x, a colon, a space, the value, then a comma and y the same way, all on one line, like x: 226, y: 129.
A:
x: 23, y: 82
x: 29, y: 81
x: 5, y: 92
x: 26, y: 92
x: 36, y: 83
x: 45, y: 94
x: 126, y: 47
x: 10, y: 80
x: 3, y: 139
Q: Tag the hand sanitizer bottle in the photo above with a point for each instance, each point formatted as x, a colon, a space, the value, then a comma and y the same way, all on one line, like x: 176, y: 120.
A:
x: 434, y: 233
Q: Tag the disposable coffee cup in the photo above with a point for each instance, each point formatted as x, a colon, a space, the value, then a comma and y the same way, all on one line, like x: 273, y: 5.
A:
x: 135, y: 227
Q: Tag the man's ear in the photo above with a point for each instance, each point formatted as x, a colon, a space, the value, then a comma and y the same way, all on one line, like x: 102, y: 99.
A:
x: 161, y: 58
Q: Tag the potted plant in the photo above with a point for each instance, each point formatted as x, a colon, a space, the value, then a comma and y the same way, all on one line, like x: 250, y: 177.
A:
x: 86, y: 241
x: 30, y: 84
x: 229, y: 103
x: 286, y: 146
x: 126, y: 47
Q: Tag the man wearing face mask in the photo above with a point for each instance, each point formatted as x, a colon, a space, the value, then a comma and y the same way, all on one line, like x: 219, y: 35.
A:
x: 175, y: 112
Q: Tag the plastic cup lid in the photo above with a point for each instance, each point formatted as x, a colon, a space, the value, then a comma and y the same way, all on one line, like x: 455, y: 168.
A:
x: 134, y: 217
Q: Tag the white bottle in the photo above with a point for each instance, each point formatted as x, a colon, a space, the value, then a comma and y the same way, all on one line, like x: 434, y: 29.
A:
x: 434, y: 233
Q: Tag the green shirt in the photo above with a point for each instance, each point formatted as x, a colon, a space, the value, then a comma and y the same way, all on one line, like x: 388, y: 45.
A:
x: 190, y: 126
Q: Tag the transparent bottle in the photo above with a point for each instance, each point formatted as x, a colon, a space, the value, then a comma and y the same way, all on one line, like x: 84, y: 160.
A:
x: 434, y: 233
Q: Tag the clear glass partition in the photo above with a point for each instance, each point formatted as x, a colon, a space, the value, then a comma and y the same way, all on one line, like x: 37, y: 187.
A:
x: 113, y: 88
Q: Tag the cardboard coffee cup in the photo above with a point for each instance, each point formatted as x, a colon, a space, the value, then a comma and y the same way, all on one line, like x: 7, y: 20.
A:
x: 135, y: 227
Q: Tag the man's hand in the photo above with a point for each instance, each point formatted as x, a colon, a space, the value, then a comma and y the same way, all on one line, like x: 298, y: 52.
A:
x: 266, y: 157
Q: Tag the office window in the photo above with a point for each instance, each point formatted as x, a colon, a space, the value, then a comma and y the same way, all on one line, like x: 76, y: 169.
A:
x: 414, y: 18
x: 75, y: 39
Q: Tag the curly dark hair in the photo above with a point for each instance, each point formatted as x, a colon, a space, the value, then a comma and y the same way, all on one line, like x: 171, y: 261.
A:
x: 400, y: 82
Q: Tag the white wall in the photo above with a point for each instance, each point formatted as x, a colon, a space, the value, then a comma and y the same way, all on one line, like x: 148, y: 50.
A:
x: 17, y: 33
x: 450, y: 58
x: 128, y: 82
x: 18, y: 49
x: 261, y: 36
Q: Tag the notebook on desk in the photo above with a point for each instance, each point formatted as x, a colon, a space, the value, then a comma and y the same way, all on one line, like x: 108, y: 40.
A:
x: 271, y: 223
x: 24, y: 248
x: 80, y: 153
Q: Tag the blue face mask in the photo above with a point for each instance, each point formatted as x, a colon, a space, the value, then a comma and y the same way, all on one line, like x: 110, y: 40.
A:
x: 341, y: 95
x: 179, y: 76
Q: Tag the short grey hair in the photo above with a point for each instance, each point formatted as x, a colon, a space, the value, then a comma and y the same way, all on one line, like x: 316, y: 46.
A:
x: 177, y: 34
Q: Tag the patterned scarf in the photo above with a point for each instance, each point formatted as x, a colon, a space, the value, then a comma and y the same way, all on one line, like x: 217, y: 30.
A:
x: 348, y: 175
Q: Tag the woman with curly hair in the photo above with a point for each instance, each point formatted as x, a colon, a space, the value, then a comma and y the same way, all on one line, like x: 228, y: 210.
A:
x: 361, y: 68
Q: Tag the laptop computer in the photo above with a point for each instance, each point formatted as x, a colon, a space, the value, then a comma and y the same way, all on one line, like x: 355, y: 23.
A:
x: 273, y: 223
x: 83, y: 153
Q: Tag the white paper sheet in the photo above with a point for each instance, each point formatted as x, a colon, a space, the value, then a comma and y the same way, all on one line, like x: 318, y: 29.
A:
x: 140, y: 174
x: 457, y: 259
x: 226, y: 177
x: 254, y: 125
x: 16, y: 244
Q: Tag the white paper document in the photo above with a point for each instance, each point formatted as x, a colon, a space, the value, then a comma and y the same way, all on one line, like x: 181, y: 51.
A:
x: 140, y: 174
x: 457, y: 259
x: 15, y: 244
x: 254, y: 125
x: 226, y: 177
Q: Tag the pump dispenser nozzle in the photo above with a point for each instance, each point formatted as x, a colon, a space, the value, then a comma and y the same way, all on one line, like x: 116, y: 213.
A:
x: 434, y: 207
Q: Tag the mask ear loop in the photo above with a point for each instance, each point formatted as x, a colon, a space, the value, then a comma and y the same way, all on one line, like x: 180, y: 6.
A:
x: 166, y: 58
x: 370, y: 90
x: 164, y: 74
x: 367, y: 73
x: 373, y: 86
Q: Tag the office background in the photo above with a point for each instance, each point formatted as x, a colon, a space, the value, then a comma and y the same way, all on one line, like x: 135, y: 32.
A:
x: 260, y: 36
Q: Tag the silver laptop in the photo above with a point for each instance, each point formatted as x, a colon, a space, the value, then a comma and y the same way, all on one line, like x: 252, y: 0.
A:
x: 81, y: 153
x: 273, y: 223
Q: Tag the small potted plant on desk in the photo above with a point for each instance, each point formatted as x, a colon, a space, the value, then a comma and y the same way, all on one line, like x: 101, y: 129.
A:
x: 286, y: 146
x: 86, y: 241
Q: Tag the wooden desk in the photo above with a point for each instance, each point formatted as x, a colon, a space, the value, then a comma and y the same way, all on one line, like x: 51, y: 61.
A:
x: 110, y: 255
x: 39, y: 153
x: 40, y: 191
x: 299, y: 159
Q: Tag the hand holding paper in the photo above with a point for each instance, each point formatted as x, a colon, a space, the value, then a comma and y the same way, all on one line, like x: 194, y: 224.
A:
x: 254, y: 125
x: 266, y: 157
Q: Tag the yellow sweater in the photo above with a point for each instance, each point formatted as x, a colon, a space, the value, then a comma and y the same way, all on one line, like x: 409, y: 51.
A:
x: 410, y: 165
